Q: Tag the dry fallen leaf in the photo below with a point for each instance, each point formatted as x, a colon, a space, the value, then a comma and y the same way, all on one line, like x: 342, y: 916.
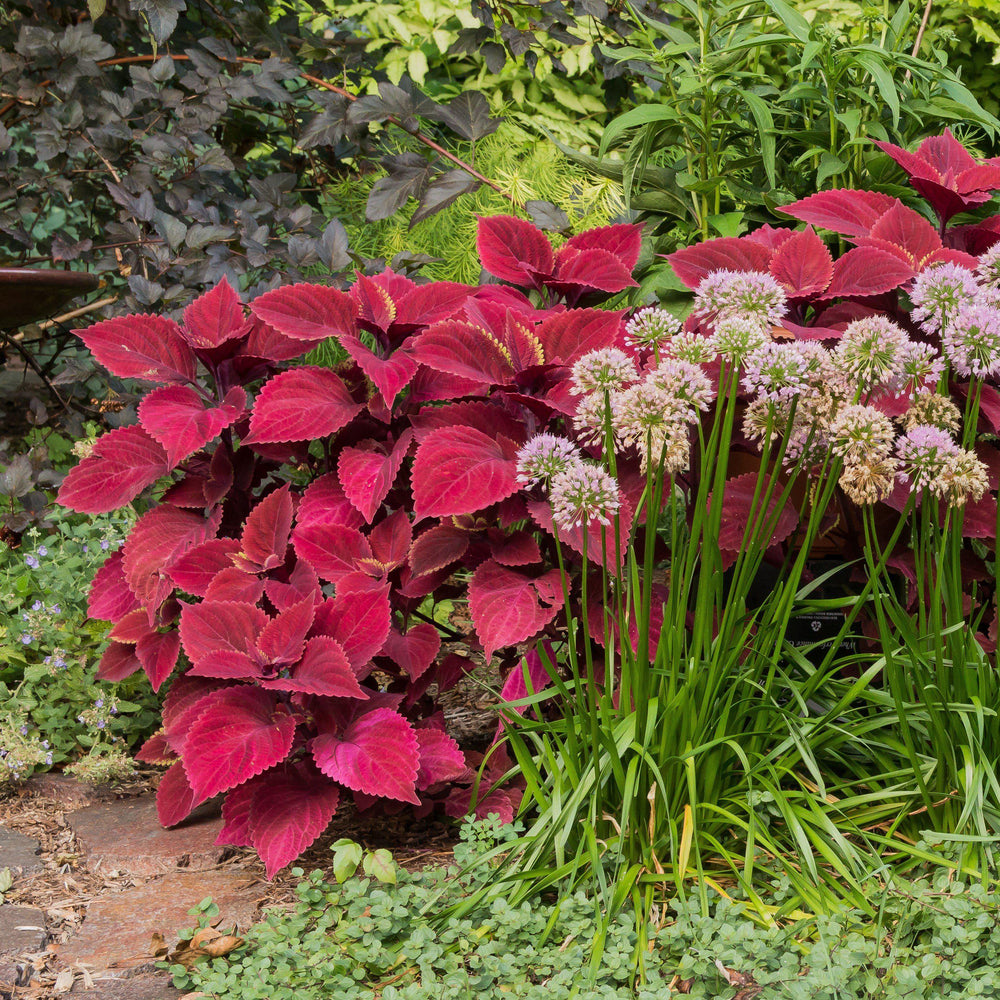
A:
x: 158, y: 946
x: 734, y: 978
x: 205, y: 943
x: 64, y: 981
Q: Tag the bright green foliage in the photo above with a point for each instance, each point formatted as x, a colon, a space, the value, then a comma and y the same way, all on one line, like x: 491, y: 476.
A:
x: 51, y: 708
x: 527, y: 169
x: 361, y: 940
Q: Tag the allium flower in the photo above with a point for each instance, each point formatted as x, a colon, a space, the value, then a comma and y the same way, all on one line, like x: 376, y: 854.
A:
x: 869, y: 481
x: 988, y: 271
x: 737, y: 336
x: 695, y: 348
x: 651, y: 327
x: 921, y: 366
x: 931, y: 460
x: 590, y: 416
x: 752, y: 294
x: 939, y: 292
x: 544, y: 456
x: 606, y: 369
x: 776, y: 371
x: 861, y: 434
x: 583, y: 493
x: 971, y: 341
x: 655, y: 421
x: 934, y: 410
x: 683, y: 380
x: 871, y: 351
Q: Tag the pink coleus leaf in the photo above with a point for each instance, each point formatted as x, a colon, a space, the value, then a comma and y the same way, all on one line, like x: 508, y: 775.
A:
x: 848, y: 212
x: 219, y: 625
x: 441, y: 759
x: 235, y: 830
x: 215, y: 317
x: 802, y: 265
x: 513, y: 250
x: 508, y: 607
x: 519, y: 549
x: 906, y: 228
x: 232, y: 584
x: 156, y: 750
x: 515, y: 687
x: 151, y: 348
x: 867, y: 271
x: 240, y: 732
x: 158, y: 652
x: 377, y: 754
x: 487, y: 417
x: 182, y: 706
x: 194, y: 571
x: 160, y: 536
x: 331, y: 549
x: 282, y: 639
x: 437, y: 547
x: 359, y: 621
x: 738, y: 511
x: 110, y: 598
x: 302, y: 582
x: 177, y: 417
x: 266, y: 532
x: 290, y: 808
x: 568, y: 335
x: 324, y: 502
x: 594, y: 268
x: 427, y: 304
x: 465, y: 349
x: 376, y: 307
x: 459, y: 470
x: 323, y: 670
x: 307, y: 312
x: 123, y: 463
x: 389, y: 374
x: 624, y: 240
x: 300, y: 405
x: 367, y: 474
x: 415, y: 651
x: 391, y: 540
x: 601, y: 545
x: 728, y: 253
x: 118, y: 662
x: 227, y: 664
x: 132, y: 627
x: 266, y: 343
x: 175, y: 798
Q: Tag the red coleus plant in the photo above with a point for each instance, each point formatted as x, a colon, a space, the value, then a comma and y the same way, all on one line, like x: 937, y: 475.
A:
x: 306, y: 520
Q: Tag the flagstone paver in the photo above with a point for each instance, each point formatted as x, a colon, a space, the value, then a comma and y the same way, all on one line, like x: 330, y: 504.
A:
x: 126, y: 835
x: 67, y: 791
x: 144, y: 987
x: 18, y: 852
x: 22, y: 929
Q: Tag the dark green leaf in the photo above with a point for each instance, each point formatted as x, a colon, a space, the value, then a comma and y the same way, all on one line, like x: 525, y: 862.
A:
x: 442, y: 192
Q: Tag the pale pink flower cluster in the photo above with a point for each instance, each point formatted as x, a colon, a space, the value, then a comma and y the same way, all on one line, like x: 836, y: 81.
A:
x: 579, y: 491
x: 604, y: 370
x: 776, y: 371
x: 871, y: 353
x: 931, y: 460
x: 737, y: 336
x: 988, y: 273
x: 933, y: 409
x: 693, y: 347
x: 859, y: 433
x: 653, y: 420
x: 752, y: 294
x: 938, y: 293
x: 685, y: 381
x: 651, y: 327
x: 971, y: 340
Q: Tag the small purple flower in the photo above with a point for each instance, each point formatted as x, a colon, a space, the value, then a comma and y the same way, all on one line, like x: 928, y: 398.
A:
x: 48, y: 760
x: 55, y: 609
x: 27, y: 638
x: 99, y: 703
x: 86, y: 548
x: 60, y: 663
x: 31, y: 562
x: 24, y: 730
x: 104, y: 545
x: 37, y: 606
x: 100, y: 723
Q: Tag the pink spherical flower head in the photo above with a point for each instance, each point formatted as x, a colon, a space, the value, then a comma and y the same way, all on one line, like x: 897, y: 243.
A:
x: 545, y: 456
x: 938, y: 293
x: 971, y: 341
x: 752, y: 294
x: 683, y: 380
x: 581, y: 494
x: 651, y: 327
x: 871, y: 352
x: 776, y: 371
x: 603, y: 370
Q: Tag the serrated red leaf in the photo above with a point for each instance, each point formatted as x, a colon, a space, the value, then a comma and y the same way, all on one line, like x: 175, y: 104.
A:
x: 519, y: 549
x: 176, y: 416
x: 867, y: 271
x: 110, y: 598
x: 389, y: 374
x: 802, y: 265
x: 427, y: 304
x: 301, y: 404
x: 325, y: 502
x: 227, y: 664
x: 568, y: 335
x: 848, y: 212
x: 738, y: 511
x: 175, y: 798
x: 461, y: 348
x: 235, y: 830
x: 160, y: 536
x: 515, y: 687
x: 323, y: 670
x: 908, y: 229
x: 265, y: 534
x: 376, y: 308
x: 118, y: 662
x: 505, y: 605
x: 624, y: 240
x: 595, y: 268
x: 513, y: 250
x: 458, y: 470
x: 240, y: 732
x: 123, y: 463
x: 415, y: 651
x: 391, y: 540
x: 359, y: 621
x: 132, y: 627
x: 219, y: 625
x: 367, y: 474
x: 487, y: 417
x: 232, y: 584
x: 155, y: 750
x: 377, y: 754
x: 268, y: 344
x: 151, y: 348
x: 302, y: 582
x: 441, y: 759
x: 979, y: 518
x: 331, y: 549
x: 436, y: 548
x: 728, y: 253
x: 307, y: 312
x: 158, y: 652
x: 215, y: 317
x: 282, y: 640
x: 289, y: 810
x: 194, y: 571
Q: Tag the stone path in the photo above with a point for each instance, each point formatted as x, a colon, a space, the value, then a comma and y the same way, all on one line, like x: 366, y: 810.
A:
x: 167, y: 872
